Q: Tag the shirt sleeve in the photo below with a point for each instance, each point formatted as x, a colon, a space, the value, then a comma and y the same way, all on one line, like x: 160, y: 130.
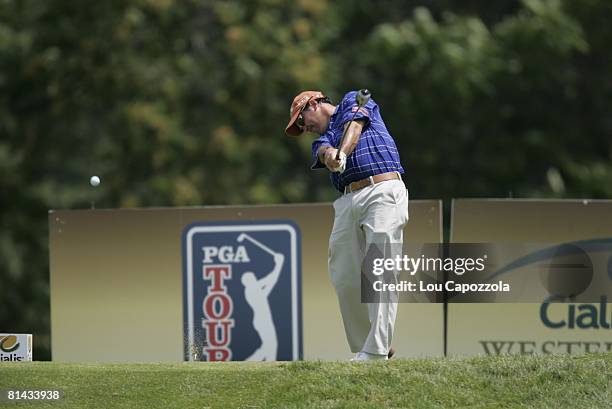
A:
x: 323, y: 140
x: 349, y: 108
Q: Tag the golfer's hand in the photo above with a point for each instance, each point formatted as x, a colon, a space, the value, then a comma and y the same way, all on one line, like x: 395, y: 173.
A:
x: 330, y: 160
x: 279, y: 258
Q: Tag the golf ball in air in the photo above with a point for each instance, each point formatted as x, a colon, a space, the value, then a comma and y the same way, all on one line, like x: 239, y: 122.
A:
x: 94, y: 181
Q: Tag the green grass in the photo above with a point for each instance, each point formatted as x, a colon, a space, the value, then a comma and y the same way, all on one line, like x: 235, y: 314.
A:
x: 559, y: 381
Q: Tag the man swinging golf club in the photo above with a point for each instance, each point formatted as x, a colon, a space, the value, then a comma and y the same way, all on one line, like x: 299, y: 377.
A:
x: 356, y: 147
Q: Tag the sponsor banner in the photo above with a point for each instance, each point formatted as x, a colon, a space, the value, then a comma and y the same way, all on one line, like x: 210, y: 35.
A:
x: 15, y: 347
x: 574, y: 314
x: 132, y: 288
x: 242, y: 295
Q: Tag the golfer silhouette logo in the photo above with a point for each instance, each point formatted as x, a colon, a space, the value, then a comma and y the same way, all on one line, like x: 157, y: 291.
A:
x: 242, y: 291
x: 256, y: 292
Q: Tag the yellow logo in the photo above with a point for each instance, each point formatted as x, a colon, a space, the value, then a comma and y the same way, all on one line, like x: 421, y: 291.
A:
x: 8, y: 343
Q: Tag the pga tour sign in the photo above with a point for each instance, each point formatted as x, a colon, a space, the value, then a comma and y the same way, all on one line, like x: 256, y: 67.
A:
x: 242, y: 295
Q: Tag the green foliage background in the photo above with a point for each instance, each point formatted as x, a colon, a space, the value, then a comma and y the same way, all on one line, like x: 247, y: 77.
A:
x: 177, y: 103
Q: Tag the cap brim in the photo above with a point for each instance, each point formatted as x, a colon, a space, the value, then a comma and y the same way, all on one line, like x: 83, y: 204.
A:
x: 292, y: 129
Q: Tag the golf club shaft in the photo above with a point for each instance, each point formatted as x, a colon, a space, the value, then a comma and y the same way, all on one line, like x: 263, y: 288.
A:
x: 362, y: 97
x: 258, y: 244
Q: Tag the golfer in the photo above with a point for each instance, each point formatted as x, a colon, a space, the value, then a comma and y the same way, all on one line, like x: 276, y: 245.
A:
x: 372, y: 208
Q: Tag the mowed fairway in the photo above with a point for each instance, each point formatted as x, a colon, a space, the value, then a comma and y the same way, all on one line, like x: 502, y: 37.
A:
x: 487, y: 382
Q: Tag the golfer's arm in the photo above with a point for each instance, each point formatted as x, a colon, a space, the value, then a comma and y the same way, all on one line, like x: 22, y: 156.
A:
x: 269, y: 280
x: 351, y: 137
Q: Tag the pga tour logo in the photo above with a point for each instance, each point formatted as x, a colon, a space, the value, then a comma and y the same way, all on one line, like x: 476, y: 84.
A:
x: 242, y: 295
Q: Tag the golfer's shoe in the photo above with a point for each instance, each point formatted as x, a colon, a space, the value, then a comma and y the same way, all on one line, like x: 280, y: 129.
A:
x: 391, y: 353
x: 364, y: 356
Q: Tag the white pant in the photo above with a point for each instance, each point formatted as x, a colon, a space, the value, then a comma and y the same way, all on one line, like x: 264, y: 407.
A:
x: 379, y: 210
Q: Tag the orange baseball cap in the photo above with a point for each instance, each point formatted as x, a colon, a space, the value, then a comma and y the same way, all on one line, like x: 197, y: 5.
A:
x: 298, y: 104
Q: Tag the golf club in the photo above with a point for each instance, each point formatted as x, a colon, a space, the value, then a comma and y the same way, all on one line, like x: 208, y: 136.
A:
x: 265, y: 248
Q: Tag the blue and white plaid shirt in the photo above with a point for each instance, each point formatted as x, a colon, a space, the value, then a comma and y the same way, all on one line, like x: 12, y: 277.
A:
x: 375, y: 152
